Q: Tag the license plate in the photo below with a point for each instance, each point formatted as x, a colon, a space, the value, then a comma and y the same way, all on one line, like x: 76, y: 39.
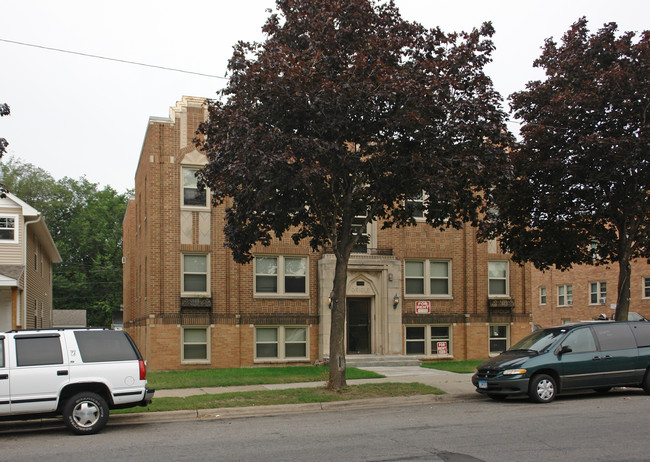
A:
x: 482, y: 384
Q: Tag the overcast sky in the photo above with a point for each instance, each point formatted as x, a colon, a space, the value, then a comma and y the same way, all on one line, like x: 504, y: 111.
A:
x: 79, y: 116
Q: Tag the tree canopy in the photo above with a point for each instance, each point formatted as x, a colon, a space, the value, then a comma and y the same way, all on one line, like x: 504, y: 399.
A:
x: 347, y: 110
x: 86, y: 225
x: 581, y: 174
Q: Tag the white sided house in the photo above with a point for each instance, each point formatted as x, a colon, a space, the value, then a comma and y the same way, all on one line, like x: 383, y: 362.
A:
x: 27, y: 253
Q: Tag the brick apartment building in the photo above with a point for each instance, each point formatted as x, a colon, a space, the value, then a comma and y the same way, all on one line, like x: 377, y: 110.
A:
x: 586, y: 292
x: 411, y: 291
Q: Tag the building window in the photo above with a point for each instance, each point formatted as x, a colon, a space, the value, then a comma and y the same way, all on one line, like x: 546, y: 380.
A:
x: 428, y: 277
x: 499, y: 338
x: 281, y: 275
x: 597, y: 293
x: 364, y: 240
x: 542, y: 295
x: 281, y: 342
x: 192, y: 196
x: 195, y: 274
x: 498, y: 278
x: 8, y: 228
x: 428, y: 340
x: 646, y: 287
x: 195, y: 344
x: 417, y: 204
x: 565, y: 295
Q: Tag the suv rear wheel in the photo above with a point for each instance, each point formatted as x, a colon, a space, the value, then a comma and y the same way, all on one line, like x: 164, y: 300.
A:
x: 85, y: 413
x: 542, y: 388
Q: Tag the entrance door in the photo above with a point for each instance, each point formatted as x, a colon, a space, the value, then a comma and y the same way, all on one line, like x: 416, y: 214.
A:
x: 358, y: 324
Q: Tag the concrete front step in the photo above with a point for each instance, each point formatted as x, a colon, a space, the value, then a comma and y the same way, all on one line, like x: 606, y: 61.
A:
x: 381, y: 361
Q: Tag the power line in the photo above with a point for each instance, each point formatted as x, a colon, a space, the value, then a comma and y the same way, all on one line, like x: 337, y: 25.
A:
x: 88, y: 55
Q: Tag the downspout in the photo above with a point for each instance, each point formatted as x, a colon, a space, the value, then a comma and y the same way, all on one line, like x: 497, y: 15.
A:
x: 24, y: 317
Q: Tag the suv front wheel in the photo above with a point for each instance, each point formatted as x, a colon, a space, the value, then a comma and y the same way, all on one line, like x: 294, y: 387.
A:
x: 85, y: 413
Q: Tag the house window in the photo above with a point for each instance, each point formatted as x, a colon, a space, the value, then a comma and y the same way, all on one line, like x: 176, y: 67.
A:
x: 498, y: 278
x: 597, y: 293
x: 281, y: 342
x: 542, y: 295
x: 195, y: 344
x: 499, y: 338
x: 281, y: 275
x: 8, y: 228
x: 646, y: 287
x: 428, y: 278
x: 565, y: 295
x: 195, y: 273
x: 428, y: 340
x: 192, y: 196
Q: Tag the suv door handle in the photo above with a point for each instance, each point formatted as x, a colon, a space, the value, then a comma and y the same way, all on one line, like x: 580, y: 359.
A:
x: 4, y: 376
x: 64, y: 372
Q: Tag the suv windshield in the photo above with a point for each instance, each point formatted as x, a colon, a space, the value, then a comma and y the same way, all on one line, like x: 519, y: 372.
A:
x: 539, y: 340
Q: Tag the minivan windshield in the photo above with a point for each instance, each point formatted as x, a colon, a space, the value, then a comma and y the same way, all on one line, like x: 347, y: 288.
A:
x: 539, y: 340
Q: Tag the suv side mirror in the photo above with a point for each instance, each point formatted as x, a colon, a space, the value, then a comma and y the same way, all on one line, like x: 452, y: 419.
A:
x: 563, y: 349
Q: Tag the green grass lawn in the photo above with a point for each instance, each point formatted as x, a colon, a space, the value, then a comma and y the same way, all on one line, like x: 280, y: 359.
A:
x: 165, y: 380
x: 461, y: 367
x: 291, y: 396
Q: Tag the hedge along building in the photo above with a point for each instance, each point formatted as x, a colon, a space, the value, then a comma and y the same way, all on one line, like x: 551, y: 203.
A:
x: 413, y: 291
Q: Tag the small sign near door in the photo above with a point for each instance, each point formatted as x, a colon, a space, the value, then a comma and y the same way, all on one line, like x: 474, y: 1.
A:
x: 422, y: 307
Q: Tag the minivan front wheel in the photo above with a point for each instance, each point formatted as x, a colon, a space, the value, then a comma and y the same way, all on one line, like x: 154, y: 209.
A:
x: 542, y: 388
x: 85, y: 413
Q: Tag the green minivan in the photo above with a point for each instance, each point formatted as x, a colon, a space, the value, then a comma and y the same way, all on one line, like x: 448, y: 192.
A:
x: 588, y: 355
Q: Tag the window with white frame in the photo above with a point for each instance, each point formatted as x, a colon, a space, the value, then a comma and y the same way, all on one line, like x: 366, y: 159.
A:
x: 192, y: 196
x: 196, y: 344
x: 358, y: 225
x: 431, y: 278
x: 565, y: 295
x: 429, y: 340
x: 417, y: 203
x: 281, y: 275
x: 646, y: 287
x: 499, y: 338
x: 542, y: 295
x: 281, y: 342
x: 195, y: 274
x: 597, y: 293
x: 498, y: 278
x: 8, y: 231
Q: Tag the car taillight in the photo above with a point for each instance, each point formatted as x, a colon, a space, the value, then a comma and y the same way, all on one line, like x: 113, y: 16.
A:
x: 143, y: 370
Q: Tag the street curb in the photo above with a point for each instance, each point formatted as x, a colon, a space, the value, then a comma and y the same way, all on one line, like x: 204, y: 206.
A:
x: 284, y: 409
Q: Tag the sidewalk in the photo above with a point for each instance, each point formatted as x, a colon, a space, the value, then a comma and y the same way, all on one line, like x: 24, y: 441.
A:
x: 456, y: 385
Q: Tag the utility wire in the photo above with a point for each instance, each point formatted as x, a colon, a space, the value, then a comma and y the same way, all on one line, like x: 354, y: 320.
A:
x: 111, y: 59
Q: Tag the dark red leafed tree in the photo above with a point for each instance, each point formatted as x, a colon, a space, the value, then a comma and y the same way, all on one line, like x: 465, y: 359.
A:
x: 346, y: 110
x: 581, y: 188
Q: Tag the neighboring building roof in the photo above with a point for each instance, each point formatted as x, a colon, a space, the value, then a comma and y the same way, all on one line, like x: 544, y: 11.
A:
x: 68, y: 318
x: 40, y: 228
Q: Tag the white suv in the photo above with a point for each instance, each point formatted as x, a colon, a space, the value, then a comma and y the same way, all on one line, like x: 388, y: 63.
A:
x: 78, y: 373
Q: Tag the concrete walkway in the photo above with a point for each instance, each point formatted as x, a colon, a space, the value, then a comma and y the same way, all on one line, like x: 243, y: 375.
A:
x: 456, y: 385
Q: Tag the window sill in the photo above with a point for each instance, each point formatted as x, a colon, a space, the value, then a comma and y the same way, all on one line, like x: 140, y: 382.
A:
x: 278, y: 360
x: 199, y: 208
x: 427, y: 297
x: 282, y: 296
x: 195, y: 362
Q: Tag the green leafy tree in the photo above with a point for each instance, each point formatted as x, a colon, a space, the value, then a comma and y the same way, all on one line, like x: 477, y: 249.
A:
x: 86, y: 225
x: 579, y: 192
x: 346, y: 110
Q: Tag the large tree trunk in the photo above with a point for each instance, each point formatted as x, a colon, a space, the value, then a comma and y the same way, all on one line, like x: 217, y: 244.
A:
x: 337, y: 331
x: 623, y: 300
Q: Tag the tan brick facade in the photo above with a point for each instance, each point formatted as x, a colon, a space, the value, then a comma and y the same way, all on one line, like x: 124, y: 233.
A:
x: 188, y: 305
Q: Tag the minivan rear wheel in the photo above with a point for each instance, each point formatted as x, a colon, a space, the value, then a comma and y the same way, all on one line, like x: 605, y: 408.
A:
x: 542, y: 388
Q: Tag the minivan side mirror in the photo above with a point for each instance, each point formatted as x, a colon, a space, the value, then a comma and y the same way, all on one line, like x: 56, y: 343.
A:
x: 563, y: 349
